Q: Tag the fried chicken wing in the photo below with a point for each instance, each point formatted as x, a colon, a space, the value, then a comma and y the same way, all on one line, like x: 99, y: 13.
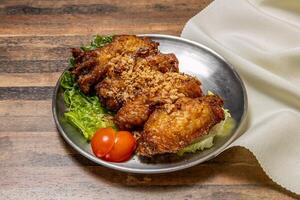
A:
x: 159, y: 62
x: 169, y: 131
x: 107, y: 91
x: 135, y: 112
x: 128, y: 78
x: 91, y: 66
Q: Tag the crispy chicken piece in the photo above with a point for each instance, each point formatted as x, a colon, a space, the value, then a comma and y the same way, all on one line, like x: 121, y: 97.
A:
x: 169, y: 131
x: 158, y: 87
x: 91, y: 66
x: 132, y: 62
x: 108, y: 91
x: 134, y: 113
x: 159, y: 62
x: 127, y: 78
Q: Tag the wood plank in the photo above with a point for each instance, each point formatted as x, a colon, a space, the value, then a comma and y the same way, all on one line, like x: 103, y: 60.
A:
x: 38, y: 49
x: 28, y: 79
x: 77, y: 24
x: 155, y: 7
x: 46, y: 151
x: 26, y: 93
x: 19, y: 111
x: 201, y: 175
x: 34, y: 53
x: 21, y: 142
x: 10, y: 108
x: 106, y: 17
x: 32, y: 66
x: 45, y: 157
x: 95, y: 5
x: 86, y: 190
x: 27, y: 123
x: 22, y: 111
x: 39, y: 52
x: 45, y: 41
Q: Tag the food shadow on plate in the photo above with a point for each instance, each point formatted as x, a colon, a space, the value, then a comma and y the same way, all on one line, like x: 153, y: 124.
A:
x: 162, y: 158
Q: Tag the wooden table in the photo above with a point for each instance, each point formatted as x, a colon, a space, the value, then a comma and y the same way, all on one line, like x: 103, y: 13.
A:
x: 35, y: 162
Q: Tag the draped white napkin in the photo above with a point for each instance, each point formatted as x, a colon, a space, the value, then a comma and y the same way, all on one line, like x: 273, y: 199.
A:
x: 261, y: 39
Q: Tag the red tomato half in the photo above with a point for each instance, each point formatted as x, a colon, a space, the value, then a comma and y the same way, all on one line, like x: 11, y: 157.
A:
x: 123, y: 148
x: 103, y: 141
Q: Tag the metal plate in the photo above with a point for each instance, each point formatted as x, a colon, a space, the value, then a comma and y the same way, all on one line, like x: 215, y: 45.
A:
x: 216, y: 75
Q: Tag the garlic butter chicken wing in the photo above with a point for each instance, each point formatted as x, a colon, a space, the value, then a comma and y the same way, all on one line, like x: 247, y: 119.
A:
x: 168, y: 131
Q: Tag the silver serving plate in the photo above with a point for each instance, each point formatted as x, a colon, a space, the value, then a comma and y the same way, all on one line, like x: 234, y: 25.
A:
x: 216, y: 75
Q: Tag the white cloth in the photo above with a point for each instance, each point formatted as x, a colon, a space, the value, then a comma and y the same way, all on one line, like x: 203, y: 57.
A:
x: 261, y: 39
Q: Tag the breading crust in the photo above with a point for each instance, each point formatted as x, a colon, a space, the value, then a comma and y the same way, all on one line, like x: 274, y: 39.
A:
x: 168, y: 132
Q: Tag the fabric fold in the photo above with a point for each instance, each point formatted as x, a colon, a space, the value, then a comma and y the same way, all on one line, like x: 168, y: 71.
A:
x: 261, y: 39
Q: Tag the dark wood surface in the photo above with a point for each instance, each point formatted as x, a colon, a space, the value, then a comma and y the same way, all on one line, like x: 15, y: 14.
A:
x: 35, y: 162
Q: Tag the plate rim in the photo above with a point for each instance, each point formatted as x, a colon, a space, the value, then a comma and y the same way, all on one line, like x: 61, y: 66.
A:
x: 167, y: 169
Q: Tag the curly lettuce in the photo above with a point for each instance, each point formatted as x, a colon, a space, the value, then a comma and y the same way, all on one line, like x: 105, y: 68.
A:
x: 85, y: 112
x: 221, y: 129
x: 98, y: 42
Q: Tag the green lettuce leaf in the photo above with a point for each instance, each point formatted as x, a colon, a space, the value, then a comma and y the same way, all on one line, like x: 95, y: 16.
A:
x: 204, y: 143
x: 85, y: 112
x: 221, y: 129
x: 72, y: 62
x: 67, y: 81
x: 97, y: 42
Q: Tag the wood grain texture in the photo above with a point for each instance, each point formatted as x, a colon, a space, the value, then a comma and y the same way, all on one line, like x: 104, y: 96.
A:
x: 27, y: 93
x: 48, y: 17
x: 35, y: 162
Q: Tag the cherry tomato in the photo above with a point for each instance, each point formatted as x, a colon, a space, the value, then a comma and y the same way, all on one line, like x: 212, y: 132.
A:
x: 103, y: 141
x: 123, y: 148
